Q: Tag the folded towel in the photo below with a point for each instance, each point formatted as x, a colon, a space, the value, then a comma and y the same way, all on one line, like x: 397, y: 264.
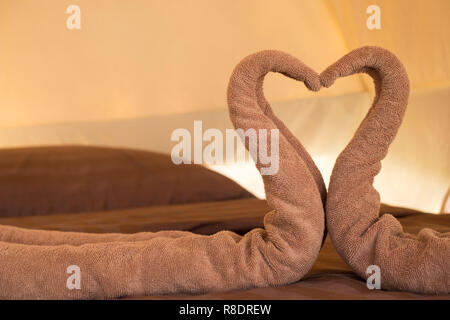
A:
x: 363, y: 238
x: 34, y: 263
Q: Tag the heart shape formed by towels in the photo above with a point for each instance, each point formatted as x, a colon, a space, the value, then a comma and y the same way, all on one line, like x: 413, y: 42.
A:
x: 362, y: 238
x: 413, y: 263
x: 33, y: 263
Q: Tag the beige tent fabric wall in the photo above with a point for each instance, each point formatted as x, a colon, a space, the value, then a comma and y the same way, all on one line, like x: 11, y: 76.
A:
x: 417, y: 31
x: 142, y: 58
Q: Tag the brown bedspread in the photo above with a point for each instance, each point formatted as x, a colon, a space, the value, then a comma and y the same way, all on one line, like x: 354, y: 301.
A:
x: 330, y: 277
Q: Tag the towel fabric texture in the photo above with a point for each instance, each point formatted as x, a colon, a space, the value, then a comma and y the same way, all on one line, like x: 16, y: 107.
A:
x: 417, y: 263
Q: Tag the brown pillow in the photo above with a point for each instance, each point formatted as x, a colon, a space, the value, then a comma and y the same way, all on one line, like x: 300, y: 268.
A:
x: 47, y: 180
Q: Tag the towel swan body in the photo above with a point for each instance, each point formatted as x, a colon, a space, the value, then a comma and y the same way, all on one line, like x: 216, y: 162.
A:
x: 407, y: 262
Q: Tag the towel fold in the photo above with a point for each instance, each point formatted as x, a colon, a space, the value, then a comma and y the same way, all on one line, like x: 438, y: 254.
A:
x: 33, y: 263
x: 407, y: 262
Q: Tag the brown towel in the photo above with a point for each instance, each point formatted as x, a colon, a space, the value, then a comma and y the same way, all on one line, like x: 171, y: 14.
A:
x: 413, y: 263
x: 33, y: 263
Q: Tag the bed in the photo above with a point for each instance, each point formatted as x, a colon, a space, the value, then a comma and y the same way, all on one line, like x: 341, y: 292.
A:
x: 232, y: 209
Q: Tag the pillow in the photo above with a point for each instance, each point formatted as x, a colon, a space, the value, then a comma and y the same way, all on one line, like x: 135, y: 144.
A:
x: 47, y: 180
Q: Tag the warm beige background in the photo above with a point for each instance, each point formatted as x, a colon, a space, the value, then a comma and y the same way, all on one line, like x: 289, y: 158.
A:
x: 139, y: 69
x: 138, y: 58
x: 418, y: 31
